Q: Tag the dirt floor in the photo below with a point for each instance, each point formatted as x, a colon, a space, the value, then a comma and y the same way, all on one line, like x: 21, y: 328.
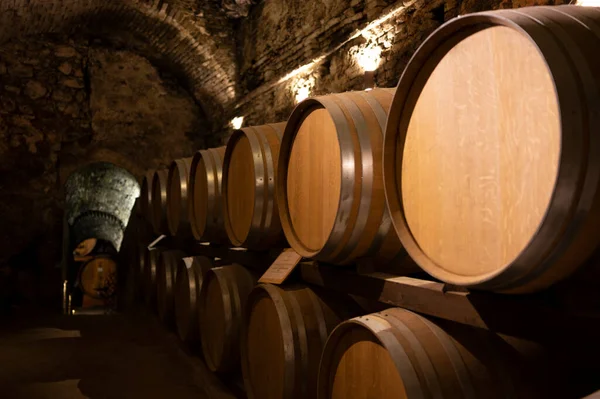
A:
x: 98, y: 357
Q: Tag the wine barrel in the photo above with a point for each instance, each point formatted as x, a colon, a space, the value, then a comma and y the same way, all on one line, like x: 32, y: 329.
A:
x: 399, y: 354
x: 146, y: 197
x: 159, y: 202
x: 284, y: 333
x: 249, y: 173
x: 329, y: 180
x: 166, y: 274
x: 222, y: 305
x: 492, y: 182
x: 139, y: 269
x: 178, y: 195
x: 151, y: 257
x: 190, y: 278
x: 98, y: 277
x: 205, y: 213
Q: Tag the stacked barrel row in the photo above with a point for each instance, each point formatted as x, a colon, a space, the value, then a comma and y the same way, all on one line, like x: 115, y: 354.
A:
x: 486, y: 177
x: 299, y: 342
x: 489, y: 182
x: 315, y: 180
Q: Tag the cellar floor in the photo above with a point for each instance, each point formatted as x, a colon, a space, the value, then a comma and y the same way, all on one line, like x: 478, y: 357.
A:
x: 98, y: 357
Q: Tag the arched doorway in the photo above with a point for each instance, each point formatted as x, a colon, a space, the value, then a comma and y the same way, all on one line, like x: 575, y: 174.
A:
x: 99, y: 198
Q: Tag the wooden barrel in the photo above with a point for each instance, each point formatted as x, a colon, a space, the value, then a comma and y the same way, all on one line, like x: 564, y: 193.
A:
x: 492, y: 182
x: 85, y: 247
x: 190, y: 278
x: 159, y: 202
x: 330, y: 183
x: 205, y: 213
x: 222, y: 305
x: 284, y: 333
x: 98, y: 277
x: 150, y: 265
x: 146, y: 197
x: 249, y: 173
x: 178, y: 195
x: 166, y: 274
x: 399, y: 354
x: 139, y: 269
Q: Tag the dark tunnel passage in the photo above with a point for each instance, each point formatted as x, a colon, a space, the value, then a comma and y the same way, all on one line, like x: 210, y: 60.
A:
x: 99, y: 200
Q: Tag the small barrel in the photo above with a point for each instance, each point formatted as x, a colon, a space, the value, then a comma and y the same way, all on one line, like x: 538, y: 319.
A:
x: 178, y: 195
x: 190, y: 278
x: 249, y: 173
x: 492, y: 182
x: 146, y: 197
x: 399, y: 354
x: 98, y: 277
x: 285, y: 330
x: 205, y: 205
x: 166, y: 274
x: 149, y: 276
x: 330, y: 182
x: 159, y: 202
x: 222, y: 305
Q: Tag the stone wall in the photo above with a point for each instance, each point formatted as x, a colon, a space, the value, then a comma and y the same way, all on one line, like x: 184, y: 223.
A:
x: 64, y: 104
x: 43, y: 106
x: 280, y: 37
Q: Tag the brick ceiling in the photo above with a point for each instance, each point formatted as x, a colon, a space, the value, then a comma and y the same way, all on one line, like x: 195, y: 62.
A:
x: 194, y: 37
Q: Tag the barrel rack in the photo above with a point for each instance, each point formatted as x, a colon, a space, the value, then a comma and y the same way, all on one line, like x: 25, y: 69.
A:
x: 525, y: 316
x: 571, y: 326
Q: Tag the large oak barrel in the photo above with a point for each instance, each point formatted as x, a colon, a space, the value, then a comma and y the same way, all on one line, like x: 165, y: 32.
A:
x: 146, y: 197
x: 399, y: 354
x: 205, y: 209
x: 285, y: 330
x: 222, y: 305
x: 492, y: 176
x: 330, y: 183
x: 178, y: 195
x: 190, y: 278
x: 159, y: 202
x: 149, y: 280
x: 249, y: 173
x: 166, y: 274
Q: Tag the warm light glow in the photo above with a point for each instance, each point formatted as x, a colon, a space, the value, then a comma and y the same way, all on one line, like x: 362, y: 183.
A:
x: 303, y: 69
x: 368, y: 56
x: 370, y: 32
x: 302, y: 94
x: 302, y: 88
x: 236, y: 122
x: 588, y: 3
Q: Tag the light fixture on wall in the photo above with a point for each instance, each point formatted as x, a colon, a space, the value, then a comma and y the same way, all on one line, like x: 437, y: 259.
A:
x: 236, y: 122
x: 588, y: 3
x: 302, y: 88
x: 368, y: 58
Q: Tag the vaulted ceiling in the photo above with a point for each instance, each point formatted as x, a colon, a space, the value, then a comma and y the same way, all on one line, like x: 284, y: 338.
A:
x: 194, y: 38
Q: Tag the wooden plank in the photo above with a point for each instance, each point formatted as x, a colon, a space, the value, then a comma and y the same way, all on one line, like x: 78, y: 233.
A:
x: 511, y: 315
x: 283, y: 266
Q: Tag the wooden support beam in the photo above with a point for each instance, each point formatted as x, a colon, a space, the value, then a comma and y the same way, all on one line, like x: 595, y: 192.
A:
x: 256, y: 260
x: 525, y: 317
